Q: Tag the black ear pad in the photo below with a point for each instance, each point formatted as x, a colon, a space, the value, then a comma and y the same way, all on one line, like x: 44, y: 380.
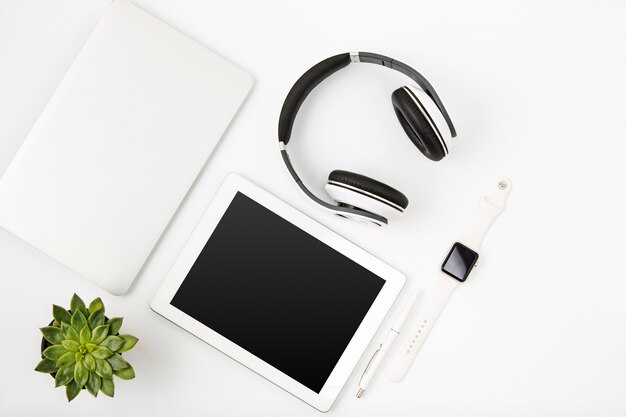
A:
x: 369, y: 185
x: 416, y: 125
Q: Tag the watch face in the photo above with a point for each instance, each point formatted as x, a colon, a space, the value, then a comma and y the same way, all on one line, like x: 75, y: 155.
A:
x: 459, y: 262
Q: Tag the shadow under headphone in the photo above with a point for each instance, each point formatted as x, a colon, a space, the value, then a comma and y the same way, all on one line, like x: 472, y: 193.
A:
x: 420, y: 112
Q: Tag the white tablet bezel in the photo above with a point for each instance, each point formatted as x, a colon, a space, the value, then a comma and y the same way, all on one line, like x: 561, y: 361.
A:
x: 394, y: 280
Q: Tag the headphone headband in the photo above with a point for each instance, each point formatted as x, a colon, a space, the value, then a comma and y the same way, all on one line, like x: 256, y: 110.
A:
x: 319, y: 72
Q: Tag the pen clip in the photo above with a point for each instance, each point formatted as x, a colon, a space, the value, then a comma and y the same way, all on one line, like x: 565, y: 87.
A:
x: 380, y: 345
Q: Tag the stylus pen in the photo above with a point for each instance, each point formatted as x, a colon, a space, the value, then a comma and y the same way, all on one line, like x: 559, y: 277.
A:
x: 383, y: 348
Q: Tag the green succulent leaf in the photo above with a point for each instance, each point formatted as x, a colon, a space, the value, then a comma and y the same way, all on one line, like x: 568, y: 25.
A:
x: 70, y: 345
x: 129, y: 342
x: 89, y: 362
x: 85, y: 335
x: 64, y: 376
x: 60, y: 314
x: 117, y: 362
x: 96, y: 305
x: 101, y: 352
x: 96, y: 318
x: 126, y: 373
x: 81, y: 374
x: 69, y: 332
x: 93, y: 384
x: 107, y: 387
x: 78, y: 320
x: 72, y: 390
x: 66, y: 360
x: 54, y: 352
x: 77, y: 304
x: 103, y: 368
x: 46, y: 366
x: 52, y: 334
x: 112, y: 342
x: 90, y: 347
x: 99, y: 333
x: 78, y: 357
x: 114, y: 325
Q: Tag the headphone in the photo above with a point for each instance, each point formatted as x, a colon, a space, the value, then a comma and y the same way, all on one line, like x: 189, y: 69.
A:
x: 421, y: 114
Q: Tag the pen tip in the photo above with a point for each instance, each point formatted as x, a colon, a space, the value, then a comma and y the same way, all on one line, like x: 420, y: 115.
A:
x: 360, y: 392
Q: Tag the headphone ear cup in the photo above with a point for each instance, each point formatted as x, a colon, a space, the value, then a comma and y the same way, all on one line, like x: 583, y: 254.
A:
x: 359, y: 191
x: 422, y: 121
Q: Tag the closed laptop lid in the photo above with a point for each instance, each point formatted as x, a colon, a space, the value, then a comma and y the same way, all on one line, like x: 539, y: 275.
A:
x: 117, y: 147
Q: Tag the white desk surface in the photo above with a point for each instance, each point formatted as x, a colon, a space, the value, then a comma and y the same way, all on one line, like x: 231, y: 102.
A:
x: 536, y: 90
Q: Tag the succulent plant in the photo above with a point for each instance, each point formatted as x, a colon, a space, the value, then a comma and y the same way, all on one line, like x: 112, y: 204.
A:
x: 84, y: 349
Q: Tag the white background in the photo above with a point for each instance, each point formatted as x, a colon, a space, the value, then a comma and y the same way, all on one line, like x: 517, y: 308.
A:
x: 536, y: 90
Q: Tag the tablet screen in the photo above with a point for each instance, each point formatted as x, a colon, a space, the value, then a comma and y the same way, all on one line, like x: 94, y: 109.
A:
x: 278, y: 292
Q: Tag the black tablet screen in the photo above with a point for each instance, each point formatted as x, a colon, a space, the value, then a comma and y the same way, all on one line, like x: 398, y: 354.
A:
x: 276, y: 291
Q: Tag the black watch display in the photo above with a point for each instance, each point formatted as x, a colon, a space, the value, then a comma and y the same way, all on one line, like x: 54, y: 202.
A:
x: 459, y: 262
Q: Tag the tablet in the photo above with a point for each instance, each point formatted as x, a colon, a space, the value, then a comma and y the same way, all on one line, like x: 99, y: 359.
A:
x: 278, y: 292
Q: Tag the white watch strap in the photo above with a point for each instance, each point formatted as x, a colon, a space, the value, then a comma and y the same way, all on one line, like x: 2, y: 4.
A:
x: 490, y: 206
x: 436, y: 299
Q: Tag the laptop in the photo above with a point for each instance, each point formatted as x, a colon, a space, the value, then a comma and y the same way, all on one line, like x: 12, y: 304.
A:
x: 118, y: 146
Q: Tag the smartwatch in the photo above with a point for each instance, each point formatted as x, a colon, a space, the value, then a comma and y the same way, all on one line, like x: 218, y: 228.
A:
x: 456, y: 268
